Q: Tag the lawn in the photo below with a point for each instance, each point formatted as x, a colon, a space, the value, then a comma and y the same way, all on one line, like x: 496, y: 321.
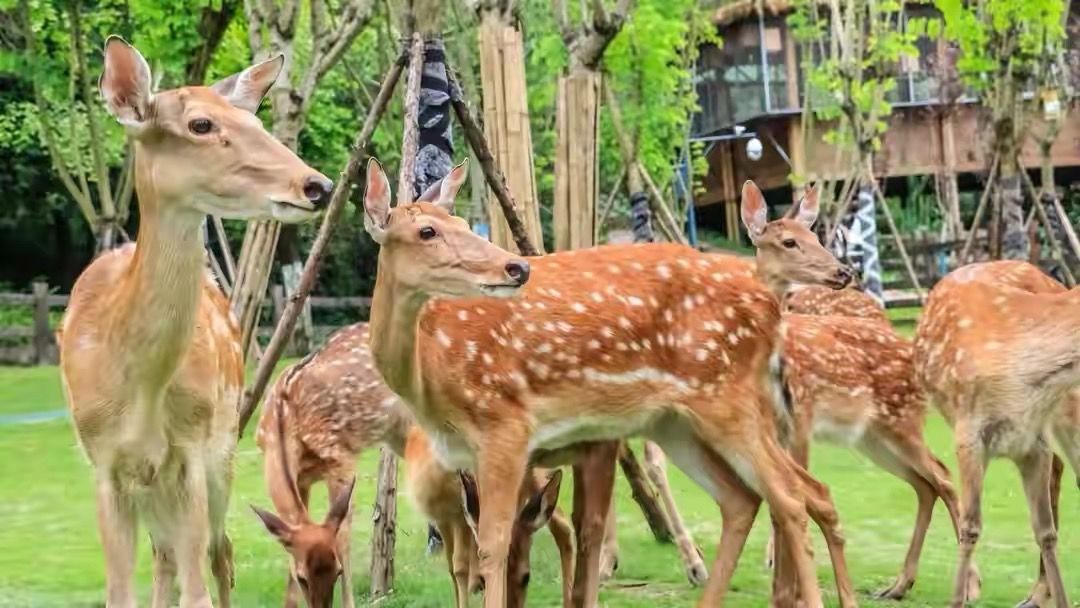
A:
x: 51, y: 557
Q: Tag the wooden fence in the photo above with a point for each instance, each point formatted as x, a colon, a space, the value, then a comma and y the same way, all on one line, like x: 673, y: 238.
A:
x: 35, y: 344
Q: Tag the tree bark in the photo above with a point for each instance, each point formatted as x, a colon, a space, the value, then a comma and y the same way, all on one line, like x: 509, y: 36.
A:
x: 385, y: 530
x: 1014, y: 238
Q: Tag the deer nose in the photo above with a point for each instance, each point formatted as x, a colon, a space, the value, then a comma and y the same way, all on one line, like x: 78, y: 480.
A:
x: 317, y: 190
x: 518, y: 271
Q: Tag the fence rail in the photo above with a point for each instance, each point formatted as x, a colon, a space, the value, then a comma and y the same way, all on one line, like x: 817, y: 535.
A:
x: 35, y: 344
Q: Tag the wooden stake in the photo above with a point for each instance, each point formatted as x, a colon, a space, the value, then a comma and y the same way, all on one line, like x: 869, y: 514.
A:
x: 384, y: 533
x: 644, y: 494
x: 979, y: 212
x: 1040, y: 212
x: 475, y: 135
x: 354, y: 169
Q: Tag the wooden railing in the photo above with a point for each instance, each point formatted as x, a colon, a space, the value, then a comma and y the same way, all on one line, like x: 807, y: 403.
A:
x: 35, y: 344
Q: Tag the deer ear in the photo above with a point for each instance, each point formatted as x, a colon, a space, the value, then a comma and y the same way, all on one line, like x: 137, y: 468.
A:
x: 755, y: 214
x: 806, y: 210
x: 376, y: 202
x: 470, y: 499
x: 339, y: 510
x: 125, y: 83
x: 450, y: 186
x: 536, y: 513
x: 276, y: 526
x: 246, y: 89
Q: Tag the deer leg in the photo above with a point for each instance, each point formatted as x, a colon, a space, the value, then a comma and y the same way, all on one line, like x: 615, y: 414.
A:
x: 164, y: 574
x: 693, y: 562
x: 459, y: 548
x: 738, y: 508
x: 563, y: 534
x: 822, y: 510
x: 117, y: 524
x: 1040, y: 592
x: 609, y: 549
x: 594, y: 483
x: 190, y: 533
x: 336, y: 483
x: 972, y: 460
x: 784, y: 580
x: 500, y: 472
x: 221, y: 553
x: 1035, y: 470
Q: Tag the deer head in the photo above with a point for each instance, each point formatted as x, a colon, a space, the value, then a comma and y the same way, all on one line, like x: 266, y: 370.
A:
x: 201, y: 150
x: 314, y: 562
x: 428, y: 250
x: 533, y: 516
x: 787, y: 250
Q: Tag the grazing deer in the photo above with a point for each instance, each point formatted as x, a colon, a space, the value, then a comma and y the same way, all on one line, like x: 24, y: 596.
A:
x: 996, y: 350
x: 318, y: 418
x: 602, y: 344
x: 150, y: 354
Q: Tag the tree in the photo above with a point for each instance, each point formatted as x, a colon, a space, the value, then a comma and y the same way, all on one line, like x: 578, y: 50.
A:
x: 855, y: 48
x: 1006, y: 46
x: 272, y: 29
x: 577, y: 122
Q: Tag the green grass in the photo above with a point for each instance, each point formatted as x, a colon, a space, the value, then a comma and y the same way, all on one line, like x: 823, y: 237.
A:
x: 50, y: 556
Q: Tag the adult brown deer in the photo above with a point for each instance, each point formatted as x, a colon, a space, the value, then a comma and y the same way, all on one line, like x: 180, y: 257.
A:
x: 997, y: 353
x: 602, y: 344
x: 150, y: 355
x: 319, y: 416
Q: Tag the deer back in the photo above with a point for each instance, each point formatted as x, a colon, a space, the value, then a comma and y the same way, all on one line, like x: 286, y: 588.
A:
x: 820, y: 300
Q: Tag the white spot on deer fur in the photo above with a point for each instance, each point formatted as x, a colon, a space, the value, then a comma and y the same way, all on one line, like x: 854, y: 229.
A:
x: 621, y: 346
x: 530, y: 327
x: 480, y: 311
x: 701, y: 354
x: 587, y: 274
x: 613, y: 269
x: 596, y: 296
x: 555, y: 293
x: 711, y: 344
x: 664, y: 271
x: 526, y: 306
x: 625, y: 323
x: 733, y: 338
x: 577, y: 307
x: 540, y: 369
x: 549, y: 326
x: 700, y: 299
x: 963, y: 323
x: 463, y: 315
x: 637, y: 266
x: 573, y: 373
x: 517, y: 344
x: 519, y: 379
x: 654, y: 302
x: 485, y: 379
x: 470, y: 350
x: 669, y: 316
x: 688, y: 303
x: 544, y: 348
x: 992, y: 345
x: 565, y: 327
x: 488, y: 359
x: 594, y: 344
x: 607, y: 332
x: 541, y: 306
x: 635, y: 301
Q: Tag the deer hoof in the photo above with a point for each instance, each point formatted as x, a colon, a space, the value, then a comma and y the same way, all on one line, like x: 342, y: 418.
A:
x: 697, y: 573
x: 896, y: 592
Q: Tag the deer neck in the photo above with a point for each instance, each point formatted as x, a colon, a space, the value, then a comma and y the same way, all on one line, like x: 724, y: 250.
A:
x: 395, y: 316
x: 159, y: 296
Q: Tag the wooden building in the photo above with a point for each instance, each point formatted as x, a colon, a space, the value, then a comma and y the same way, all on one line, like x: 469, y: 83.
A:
x: 752, y: 86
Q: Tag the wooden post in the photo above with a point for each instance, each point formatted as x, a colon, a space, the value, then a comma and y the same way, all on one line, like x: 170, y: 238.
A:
x: 384, y: 530
x: 42, y: 335
x: 576, y: 185
x: 644, y: 494
x: 277, y: 297
x: 506, y: 125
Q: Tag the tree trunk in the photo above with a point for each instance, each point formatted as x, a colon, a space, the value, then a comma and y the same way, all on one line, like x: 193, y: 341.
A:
x: 576, y: 183
x: 949, y: 188
x: 1014, y: 239
x: 644, y: 494
x: 385, y: 530
x: 506, y: 124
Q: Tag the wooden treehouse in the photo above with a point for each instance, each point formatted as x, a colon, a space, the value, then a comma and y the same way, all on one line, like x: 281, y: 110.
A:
x: 752, y: 86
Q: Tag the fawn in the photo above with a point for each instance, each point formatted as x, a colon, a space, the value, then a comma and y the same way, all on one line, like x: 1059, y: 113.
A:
x: 319, y: 416
x: 996, y: 350
x: 150, y: 354
x: 601, y: 344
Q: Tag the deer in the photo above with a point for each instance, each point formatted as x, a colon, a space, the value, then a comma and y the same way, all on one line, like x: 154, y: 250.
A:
x: 996, y: 352
x: 822, y: 301
x: 505, y: 361
x: 317, y: 419
x: 150, y: 354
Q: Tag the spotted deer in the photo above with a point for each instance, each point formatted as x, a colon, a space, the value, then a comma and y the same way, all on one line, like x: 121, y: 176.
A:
x: 822, y: 301
x: 997, y: 354
x: 318, y: 418
x: 599, y: 344
x: 150, y: 354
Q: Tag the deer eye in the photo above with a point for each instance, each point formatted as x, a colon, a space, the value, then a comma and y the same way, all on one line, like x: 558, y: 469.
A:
x: 427, y: 233
x: 790, y: 243
x: 201, y: 126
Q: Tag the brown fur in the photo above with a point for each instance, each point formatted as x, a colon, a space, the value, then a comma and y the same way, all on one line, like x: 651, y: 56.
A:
x: 150, y: 354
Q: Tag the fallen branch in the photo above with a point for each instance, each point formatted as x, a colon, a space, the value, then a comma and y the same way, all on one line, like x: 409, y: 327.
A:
x: 353, y: 169
x: 475, y: 134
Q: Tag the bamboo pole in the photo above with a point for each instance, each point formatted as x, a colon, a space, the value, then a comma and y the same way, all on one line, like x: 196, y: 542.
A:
x: 979, y: 212
x: 350, y: 174
x: 475, y: 135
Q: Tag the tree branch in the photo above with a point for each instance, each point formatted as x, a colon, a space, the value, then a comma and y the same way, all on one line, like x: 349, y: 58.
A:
x: 211, y: 28
x: 97, y: 141
x: 410, y: 137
